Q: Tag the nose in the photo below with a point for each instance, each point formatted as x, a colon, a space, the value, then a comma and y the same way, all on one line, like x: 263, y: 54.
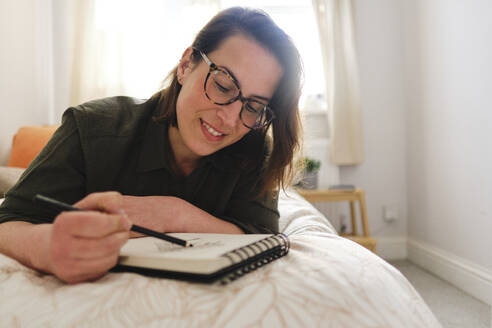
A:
x: 229, y: 114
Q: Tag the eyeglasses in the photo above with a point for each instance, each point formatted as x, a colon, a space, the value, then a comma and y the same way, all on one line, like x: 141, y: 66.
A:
x: 222, y: 88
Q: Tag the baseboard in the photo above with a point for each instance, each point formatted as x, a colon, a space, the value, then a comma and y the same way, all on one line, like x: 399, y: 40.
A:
x: 391, y: 249
x: 469, y: 277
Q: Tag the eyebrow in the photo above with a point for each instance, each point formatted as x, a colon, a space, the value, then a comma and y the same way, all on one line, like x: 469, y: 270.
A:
x: 235, y: 78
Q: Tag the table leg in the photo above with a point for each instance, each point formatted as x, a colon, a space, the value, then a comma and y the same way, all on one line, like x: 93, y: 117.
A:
x: 352, y: 215
x: 363, y: 213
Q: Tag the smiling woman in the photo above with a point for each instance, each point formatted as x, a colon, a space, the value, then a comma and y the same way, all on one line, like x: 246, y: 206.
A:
x: 206, y: 127
x: 204, y: 154
x: 265, y: 64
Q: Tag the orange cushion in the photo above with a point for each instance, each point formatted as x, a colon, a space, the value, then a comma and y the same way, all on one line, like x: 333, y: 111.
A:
x: 28, y: 142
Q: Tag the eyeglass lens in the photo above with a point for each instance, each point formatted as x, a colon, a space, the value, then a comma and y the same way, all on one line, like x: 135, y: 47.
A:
x: 221, y: 89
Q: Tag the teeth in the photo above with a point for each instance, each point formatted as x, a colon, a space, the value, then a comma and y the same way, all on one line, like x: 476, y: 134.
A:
x: 212, y: 131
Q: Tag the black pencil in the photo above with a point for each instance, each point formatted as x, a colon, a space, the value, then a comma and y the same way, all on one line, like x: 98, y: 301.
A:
x: 60, y: 206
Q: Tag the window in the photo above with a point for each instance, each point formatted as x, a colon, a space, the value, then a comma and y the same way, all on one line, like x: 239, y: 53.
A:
x: 136, y: 43
x: 296, y: 18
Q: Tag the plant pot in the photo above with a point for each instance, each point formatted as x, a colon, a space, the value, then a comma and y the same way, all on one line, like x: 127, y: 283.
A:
x: 310, y: 180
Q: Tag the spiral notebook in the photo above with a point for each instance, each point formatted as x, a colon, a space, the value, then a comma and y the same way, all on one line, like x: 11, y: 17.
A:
x: 213, y: 257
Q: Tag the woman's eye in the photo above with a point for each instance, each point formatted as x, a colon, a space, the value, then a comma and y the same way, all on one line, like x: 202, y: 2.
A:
x: 222, y: 88
x: 251, y: 109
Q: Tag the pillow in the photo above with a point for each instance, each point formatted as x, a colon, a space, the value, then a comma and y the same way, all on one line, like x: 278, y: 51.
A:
x: 298, y: 216
x: 8, y: 177
x: 28, y: 142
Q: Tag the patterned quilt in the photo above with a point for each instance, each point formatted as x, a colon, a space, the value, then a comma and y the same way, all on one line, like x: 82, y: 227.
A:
x: 324, y: 281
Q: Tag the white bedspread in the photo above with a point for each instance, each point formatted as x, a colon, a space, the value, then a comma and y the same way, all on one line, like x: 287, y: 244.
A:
x: 324, y: 281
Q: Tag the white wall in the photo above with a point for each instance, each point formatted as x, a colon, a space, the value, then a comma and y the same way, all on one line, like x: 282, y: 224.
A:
x: 449, y: 110
x: 426, y: 84
x: 426, y: 81
x: 383, y: 173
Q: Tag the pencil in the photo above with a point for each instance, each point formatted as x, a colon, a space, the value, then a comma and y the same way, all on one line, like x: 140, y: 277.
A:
x: 60, y: 206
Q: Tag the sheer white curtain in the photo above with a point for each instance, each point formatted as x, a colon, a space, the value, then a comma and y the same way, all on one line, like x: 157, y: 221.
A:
x: 336, y: 28
x: 124, y: 47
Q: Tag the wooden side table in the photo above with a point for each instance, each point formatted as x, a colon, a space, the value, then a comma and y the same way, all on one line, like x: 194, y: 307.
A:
x: 356, y: 195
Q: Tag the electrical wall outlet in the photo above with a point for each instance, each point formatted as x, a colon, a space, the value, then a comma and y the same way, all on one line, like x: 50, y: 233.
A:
x: 390, y: 213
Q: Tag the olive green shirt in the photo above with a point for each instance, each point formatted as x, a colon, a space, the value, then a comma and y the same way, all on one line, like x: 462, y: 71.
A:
x: 114, y: 144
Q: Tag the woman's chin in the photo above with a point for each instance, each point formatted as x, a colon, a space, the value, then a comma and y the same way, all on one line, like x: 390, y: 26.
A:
x: 204, y: 150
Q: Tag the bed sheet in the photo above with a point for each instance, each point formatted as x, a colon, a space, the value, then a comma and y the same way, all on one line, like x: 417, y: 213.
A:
x: 324, y: 281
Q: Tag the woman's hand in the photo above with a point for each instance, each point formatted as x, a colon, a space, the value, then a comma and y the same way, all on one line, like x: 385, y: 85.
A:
x: 172, y: 214
x: 84, y: 245
x: 159, y: 213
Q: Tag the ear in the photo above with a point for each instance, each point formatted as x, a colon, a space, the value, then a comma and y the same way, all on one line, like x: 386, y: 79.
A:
x: 185, y: 65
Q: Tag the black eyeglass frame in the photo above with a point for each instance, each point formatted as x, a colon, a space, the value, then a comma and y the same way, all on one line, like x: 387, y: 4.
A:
x: 266, y: 109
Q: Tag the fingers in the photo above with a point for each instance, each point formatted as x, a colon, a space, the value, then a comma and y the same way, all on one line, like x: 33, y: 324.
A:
x: 109, y: 202
x: 87, y: 270
x: 87, y: 249
x: 89, y: 224
x: 84, y: 245
x: 75, y: 259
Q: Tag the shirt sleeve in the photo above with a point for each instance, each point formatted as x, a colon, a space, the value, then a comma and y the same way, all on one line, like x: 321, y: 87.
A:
x: 259, y: 215
x: 57, y: 172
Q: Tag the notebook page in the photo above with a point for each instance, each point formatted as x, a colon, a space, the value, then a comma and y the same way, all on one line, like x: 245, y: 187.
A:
x: 204, y: 245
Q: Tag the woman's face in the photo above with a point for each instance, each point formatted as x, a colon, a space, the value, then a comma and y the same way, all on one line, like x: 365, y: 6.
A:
x: 205, y: 127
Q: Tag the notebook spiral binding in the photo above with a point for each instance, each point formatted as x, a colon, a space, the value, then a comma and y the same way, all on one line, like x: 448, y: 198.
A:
x: 250, y: 257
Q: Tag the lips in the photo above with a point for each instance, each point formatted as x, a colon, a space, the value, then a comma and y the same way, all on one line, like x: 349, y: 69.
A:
x: 211, y: 130
x: 210, y: 133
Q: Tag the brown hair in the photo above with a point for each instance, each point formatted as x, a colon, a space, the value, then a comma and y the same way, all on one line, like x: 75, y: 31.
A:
x: 285, y: 132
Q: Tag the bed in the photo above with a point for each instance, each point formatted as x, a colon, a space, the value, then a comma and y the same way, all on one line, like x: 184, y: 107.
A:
x: 324, y: 281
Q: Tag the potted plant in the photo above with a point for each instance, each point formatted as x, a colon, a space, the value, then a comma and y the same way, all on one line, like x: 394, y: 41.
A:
x: 311, y: 168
